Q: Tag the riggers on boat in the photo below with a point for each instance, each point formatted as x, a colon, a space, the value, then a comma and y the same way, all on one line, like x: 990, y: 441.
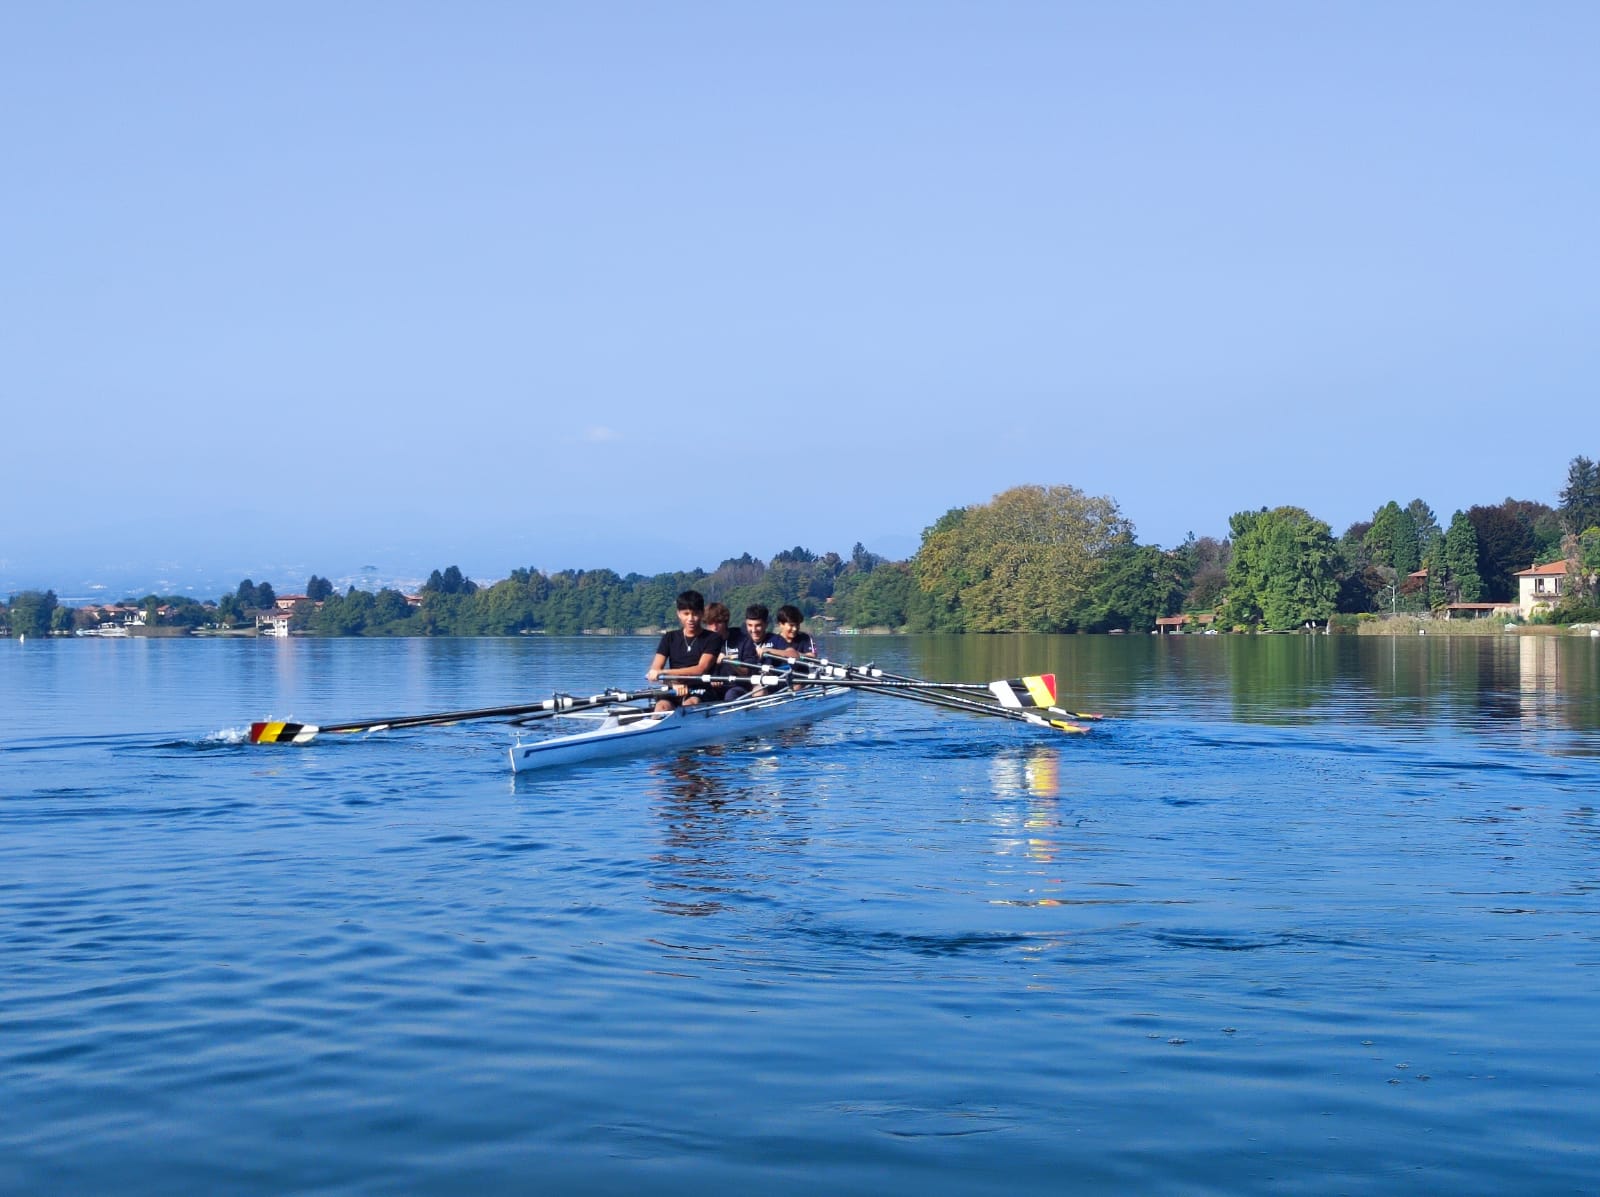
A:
x: 630, y: 730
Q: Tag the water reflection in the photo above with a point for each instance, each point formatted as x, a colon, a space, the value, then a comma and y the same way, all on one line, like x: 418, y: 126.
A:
x: 1544, y: 683
x: 1032, y: 775
x: 727, y: 834
x: 692, y: 798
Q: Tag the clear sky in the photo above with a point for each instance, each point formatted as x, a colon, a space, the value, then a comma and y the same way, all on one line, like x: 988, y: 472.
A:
x: 307, y: 286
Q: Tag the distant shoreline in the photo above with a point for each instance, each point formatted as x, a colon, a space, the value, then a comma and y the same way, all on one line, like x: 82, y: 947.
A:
x: 1395, y: 626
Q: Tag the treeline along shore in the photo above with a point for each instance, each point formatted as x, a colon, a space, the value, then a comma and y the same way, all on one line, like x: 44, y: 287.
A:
x: 1032, y: 559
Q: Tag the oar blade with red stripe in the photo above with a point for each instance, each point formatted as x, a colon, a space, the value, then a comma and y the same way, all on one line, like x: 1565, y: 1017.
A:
x: 276, y: 732
x: 1036, y: 691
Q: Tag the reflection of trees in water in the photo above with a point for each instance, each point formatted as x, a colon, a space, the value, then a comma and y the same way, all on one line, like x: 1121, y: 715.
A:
x: 1402, y: 680
x: 1385, y: 680
x: 718, y: 809
x: 1271, y: 676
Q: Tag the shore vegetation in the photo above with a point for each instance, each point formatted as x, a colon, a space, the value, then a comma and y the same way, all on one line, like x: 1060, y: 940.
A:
x: 1032, y: 559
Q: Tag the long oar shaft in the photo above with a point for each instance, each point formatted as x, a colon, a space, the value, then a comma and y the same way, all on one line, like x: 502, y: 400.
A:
x: 271, y: 732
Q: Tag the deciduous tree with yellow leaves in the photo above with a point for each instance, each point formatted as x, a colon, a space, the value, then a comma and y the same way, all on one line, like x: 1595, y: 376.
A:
x: 1023, y: 562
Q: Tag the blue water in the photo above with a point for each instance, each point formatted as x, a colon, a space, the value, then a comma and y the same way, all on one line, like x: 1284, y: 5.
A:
x: 1314, y: 915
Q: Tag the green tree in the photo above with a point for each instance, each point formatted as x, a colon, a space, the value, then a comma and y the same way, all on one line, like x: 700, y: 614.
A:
x: 31, y: 612
x: 941, y: 577
x: 864, y: 562
x: 318, y: 589
x: 342, y: 615
x: 390, y: 611
x: 451, y: 582
x: 1283, y: 571
x: 1135, y: 586
x: 882, y: 598
x: 1505, y: 545
x: 1587, y: 580
x: 1025, y: 561
x: 1543, y: 523
x: 1392, y: 540
x: 1206, y: 561
x: 1456, y: 564
x: 1429, y: 534
x: 1580, y: 498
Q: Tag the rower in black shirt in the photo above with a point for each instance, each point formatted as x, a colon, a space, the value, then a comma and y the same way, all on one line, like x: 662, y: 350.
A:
x: 792, y: 641
x: 687, y: 652
x: 746, y: 646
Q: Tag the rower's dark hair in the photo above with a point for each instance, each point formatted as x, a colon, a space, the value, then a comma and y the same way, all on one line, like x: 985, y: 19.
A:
x: 790, y: 614
x: 758, y: 611
x: 717, y: 613
x: 692, y: 600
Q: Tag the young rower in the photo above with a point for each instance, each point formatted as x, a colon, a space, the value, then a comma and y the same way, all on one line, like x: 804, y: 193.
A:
x: 691, y: 650
x: 716, y: 619
x: 747, y: 644
x: 793, y: 641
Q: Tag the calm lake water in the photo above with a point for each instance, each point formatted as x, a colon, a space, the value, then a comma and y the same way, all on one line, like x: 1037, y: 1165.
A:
x: 1311, y: 914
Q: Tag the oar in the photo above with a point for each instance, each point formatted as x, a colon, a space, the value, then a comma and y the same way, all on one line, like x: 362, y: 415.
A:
x: 267, y: 732
x: 1038, y: 691
x: 951, y: 702
x: 919, y: 692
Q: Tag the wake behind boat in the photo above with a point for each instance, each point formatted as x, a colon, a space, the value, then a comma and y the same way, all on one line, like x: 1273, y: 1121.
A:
x: 629, y: 730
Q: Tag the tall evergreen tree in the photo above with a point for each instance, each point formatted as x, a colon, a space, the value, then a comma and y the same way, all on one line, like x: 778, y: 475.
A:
x: 1392, y: 539
x: 1580, y: 498
x: 1458, y: 562
x: 1429, y: 534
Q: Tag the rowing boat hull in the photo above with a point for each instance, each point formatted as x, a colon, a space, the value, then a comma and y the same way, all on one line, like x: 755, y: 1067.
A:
x: 686, y: 727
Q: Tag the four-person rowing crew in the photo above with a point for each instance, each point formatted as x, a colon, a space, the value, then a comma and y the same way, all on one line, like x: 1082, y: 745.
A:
x: 703, y: 647
x: 710, y: 687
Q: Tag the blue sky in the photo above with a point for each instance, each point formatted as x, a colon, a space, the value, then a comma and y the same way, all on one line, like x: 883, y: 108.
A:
x: 303, y: 287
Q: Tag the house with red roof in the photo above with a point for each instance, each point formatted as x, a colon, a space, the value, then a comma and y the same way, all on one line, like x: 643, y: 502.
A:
x: 1540, y: 587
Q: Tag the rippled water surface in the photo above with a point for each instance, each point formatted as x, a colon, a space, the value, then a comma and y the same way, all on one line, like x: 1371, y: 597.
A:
x: 1308, y: 914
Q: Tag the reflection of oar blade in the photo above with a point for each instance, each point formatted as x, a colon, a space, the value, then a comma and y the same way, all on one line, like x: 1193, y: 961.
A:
x: 268, y: 732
